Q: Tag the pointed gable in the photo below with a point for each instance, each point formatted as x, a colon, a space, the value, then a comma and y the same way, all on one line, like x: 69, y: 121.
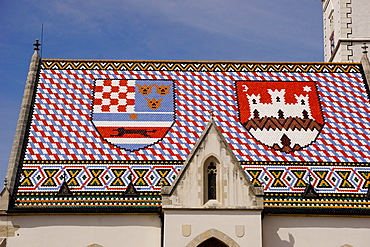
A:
x: 212, y: 178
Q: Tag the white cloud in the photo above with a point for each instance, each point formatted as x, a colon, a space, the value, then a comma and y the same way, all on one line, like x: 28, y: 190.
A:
x: 233, y: 18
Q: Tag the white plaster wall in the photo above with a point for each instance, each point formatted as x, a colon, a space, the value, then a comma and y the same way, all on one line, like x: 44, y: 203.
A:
x: 83, y: 230
x: 289, y: 231
x: 351, y: 25
x: 357, y: 50
x: 203, y: 220
x: 360, y: 19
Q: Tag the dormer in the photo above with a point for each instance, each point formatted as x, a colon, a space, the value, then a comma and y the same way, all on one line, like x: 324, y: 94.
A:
x: 212, y: 178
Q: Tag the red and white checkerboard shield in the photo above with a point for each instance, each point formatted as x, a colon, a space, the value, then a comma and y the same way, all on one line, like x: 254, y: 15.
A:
x: 285, y: 116
x: 133, y: 114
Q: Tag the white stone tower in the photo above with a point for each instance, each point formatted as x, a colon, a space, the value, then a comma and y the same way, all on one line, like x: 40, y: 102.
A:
x: 346, y: 28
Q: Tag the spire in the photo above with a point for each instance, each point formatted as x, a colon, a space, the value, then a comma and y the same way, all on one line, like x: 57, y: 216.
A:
x: 366, y: 64
x: 15, y: 159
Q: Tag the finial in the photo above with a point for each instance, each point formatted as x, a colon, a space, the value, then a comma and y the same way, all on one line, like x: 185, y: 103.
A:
x: 211, y: 112
x: 5, y: 182
x: 364, y: 47
x: 36, y: 44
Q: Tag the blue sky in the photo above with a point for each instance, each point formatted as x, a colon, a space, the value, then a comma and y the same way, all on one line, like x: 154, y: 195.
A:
x: 205, y: 30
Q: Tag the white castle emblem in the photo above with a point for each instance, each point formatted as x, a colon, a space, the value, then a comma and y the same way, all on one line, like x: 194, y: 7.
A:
x: 286, y: 122
x: 278, y: 107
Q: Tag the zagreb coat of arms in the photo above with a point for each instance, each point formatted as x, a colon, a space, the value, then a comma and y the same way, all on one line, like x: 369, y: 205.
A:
x: 133, y: 114
x: 285, y: 116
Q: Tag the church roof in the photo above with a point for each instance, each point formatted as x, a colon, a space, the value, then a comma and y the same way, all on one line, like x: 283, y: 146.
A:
x: 98, y: 126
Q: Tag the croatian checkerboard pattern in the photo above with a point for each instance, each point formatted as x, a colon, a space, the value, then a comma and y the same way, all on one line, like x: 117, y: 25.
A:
x: 115, y: 96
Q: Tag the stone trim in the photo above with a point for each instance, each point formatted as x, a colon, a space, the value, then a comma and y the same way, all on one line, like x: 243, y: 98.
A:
x: 346, y: 29
x: 3, y: 242
x: 212, y: 233
x: 94, y: 245
x: 345, y: 19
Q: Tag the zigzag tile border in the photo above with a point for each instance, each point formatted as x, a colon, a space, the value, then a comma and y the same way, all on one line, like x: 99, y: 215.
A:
x: 287, y: 178
x: 198, y: 66
x: 97, y: 177
x: 325, y: 179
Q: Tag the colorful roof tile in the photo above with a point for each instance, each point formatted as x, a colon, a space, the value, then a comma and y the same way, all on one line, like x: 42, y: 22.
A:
x: 100, y: 125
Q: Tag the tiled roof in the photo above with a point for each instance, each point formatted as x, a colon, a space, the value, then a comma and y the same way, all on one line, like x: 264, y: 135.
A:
x: 99, y: 125
x: 87, y: 202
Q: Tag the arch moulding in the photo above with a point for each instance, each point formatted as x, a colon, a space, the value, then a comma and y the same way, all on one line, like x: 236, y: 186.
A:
x: 215, y: 234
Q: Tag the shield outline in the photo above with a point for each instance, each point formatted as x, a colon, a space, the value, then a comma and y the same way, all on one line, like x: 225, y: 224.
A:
x: 152, y: 81
x: 241, y: 110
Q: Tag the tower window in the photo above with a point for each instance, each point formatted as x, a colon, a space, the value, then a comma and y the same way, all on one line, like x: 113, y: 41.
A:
x: 332, y: 45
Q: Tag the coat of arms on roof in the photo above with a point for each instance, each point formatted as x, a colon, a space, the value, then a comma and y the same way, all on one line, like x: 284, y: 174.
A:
x: 133, y: 114
x: 285, y: 116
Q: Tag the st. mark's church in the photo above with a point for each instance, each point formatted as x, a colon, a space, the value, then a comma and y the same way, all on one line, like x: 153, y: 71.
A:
x: 195, y: 154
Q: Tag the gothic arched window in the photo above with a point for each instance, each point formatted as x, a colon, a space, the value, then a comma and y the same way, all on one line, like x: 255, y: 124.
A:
x: 211, y: 181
